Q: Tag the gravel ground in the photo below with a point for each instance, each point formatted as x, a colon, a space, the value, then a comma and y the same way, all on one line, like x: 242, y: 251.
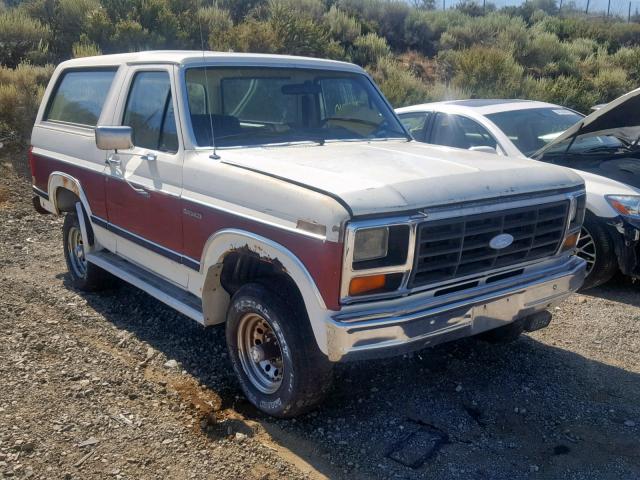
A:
x: 116, y: 385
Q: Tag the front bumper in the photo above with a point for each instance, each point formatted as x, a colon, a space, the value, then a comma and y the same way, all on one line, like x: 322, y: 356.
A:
x: 418, y: 321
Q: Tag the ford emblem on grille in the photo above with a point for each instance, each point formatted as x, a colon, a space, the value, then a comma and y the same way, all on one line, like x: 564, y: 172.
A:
x: 501, y: 241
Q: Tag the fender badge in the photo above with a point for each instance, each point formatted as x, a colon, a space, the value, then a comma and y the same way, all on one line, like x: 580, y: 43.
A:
x: 501, y: 241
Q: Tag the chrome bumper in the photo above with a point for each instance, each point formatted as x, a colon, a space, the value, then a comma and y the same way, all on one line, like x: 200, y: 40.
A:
x: 418, y: 321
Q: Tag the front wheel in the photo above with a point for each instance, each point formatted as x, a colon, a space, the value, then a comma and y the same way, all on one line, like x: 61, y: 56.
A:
x: 274, y: 354
x: 595, y: 246
x: 84, y: 275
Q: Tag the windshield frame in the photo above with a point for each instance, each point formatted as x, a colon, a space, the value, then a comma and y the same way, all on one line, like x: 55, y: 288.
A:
x: 185, y: 113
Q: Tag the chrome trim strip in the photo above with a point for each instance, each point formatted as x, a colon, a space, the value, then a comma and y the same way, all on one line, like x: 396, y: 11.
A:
x: 143, y: 242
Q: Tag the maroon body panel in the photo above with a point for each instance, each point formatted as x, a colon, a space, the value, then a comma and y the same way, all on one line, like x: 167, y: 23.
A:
x: 155, y: 216
x: 322, y: 259
x: 92, y: 182
x: 159, y: 218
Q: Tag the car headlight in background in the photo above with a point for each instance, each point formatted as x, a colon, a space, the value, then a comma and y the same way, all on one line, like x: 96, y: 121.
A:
x: 370, y: 243
x: 628, y: 205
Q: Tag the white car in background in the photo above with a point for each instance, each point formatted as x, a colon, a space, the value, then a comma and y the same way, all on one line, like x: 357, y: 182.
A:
x: 604, y: 142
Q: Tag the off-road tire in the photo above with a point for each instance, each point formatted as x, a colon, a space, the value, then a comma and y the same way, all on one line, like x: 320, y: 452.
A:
x: 306, y: 371
x: 606, y: 262
x: 94, y: 277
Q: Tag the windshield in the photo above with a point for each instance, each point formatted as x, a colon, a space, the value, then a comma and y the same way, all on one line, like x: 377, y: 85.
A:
x: 259, y: 106
x: 532, y: 128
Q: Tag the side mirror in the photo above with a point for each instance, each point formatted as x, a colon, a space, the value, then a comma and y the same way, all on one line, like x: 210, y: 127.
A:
x: 114, y: 138
x: 484, y: 149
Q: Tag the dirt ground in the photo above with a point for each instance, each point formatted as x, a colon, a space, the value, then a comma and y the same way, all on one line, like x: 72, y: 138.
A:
x: 116, y: 385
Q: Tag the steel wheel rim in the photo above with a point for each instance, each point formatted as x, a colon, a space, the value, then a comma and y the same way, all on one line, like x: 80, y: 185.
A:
x: 260, y: 353
x: 586, y: 249
x: 75, y: 248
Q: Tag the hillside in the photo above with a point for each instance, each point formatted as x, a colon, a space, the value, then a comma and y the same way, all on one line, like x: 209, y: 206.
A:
x: 414, y: 52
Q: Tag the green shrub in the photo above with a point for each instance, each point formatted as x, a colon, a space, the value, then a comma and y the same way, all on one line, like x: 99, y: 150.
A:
x: 484, y: 72
x: 419, y: 33
x: 19, y: 35
x: 369, y: 49
x: 85, y: 49
x: 21, y: 90
x: 399, y: 85
x: 571, y: 92
x: 297, y: 34
x: 629, y: 60
x: 342, y: 27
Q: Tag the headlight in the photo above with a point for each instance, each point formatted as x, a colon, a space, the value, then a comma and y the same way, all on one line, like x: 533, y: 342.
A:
x: 576, y: 214
x: 628, y: 205
x: 376, y: 259
x: 370, y: 244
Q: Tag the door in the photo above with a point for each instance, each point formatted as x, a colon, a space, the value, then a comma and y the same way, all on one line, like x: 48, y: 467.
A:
x: 144, y: 184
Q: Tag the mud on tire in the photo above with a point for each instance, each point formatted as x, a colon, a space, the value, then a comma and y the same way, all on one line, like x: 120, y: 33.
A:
x: 274, y: 353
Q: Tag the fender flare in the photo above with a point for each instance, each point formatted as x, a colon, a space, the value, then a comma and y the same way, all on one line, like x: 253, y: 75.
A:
x: 58, y: 180
x: 215, y: 299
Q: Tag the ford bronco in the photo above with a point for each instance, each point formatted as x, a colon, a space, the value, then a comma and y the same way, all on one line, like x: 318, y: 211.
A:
x: 283, y: 197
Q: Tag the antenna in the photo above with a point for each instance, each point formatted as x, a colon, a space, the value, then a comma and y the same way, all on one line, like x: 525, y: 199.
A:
x: 214, y: 155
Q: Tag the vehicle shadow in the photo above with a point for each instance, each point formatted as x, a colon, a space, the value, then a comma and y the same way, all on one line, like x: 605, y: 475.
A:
x: 619, y: 289
x: 461, y: 410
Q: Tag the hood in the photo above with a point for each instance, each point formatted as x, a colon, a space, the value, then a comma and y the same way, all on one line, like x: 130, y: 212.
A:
x: 599, y: 185
x: 392, y: 176
x: 620, y: 114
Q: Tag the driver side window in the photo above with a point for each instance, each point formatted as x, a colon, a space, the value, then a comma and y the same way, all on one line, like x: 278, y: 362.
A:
x: 460, y: 132
x: 149, y: 112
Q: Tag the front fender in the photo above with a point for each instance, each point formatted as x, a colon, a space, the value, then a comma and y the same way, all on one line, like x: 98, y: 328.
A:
x: 215, y: 299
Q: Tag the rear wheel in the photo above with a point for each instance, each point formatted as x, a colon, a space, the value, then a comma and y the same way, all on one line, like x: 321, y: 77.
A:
x: 274, y: 354
x: 84, y: 275
x: 595, y: 246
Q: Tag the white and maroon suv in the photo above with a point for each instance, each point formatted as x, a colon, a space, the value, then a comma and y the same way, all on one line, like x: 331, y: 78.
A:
x: 283, y: 197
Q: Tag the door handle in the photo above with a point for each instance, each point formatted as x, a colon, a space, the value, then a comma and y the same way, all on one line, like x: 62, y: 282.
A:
x: 113, y: 159
x: 140, y: 191
x: 149, y: 157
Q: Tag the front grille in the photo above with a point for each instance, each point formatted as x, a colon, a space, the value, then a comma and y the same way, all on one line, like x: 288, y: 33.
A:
x: 458, y: 247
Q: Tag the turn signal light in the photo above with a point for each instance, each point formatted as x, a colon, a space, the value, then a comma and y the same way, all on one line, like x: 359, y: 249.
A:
x: 360, y: 285
x: 571, y: 241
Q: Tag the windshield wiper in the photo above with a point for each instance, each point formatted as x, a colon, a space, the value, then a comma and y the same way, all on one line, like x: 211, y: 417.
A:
x: 602, y: 148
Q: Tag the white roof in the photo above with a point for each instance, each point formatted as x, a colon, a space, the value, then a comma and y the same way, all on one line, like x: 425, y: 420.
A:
x: 479, y: 106
x: 199, y: 57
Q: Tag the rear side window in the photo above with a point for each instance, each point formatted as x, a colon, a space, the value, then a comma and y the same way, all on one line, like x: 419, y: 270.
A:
x: 79, y: 96
x: 149, y: 112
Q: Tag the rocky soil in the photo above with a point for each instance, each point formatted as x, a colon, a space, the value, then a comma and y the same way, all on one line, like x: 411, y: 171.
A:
x: 116, y: 385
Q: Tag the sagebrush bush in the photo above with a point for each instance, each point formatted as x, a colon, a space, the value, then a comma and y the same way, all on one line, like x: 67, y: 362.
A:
x: 484, y: 71
x: 417, y: 53
x: 369, y: 49
x: 399, y: 85
x: 21, y: 90
x: 19, y: 35
x: 342, y: 27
